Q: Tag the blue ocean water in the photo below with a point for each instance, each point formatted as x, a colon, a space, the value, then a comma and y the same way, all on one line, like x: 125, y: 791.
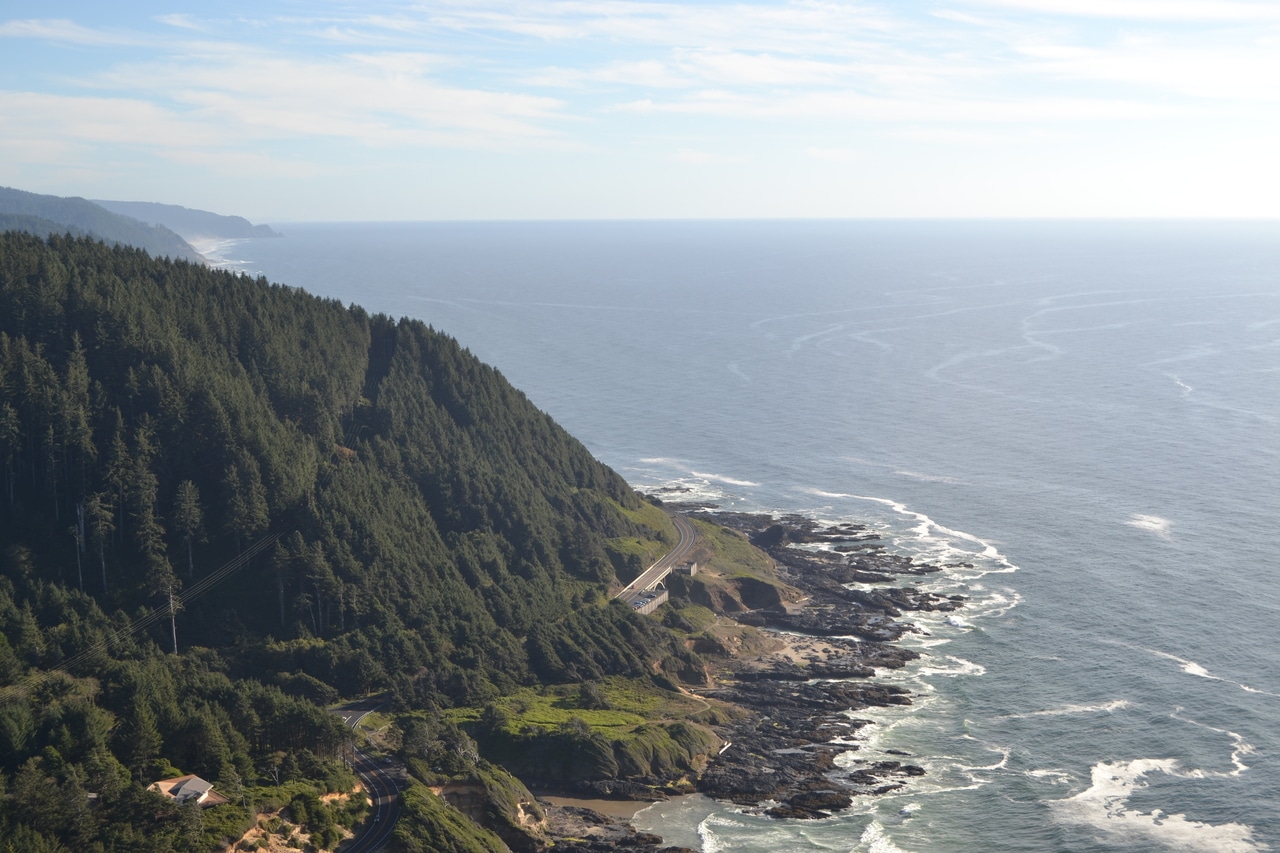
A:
x: 1086, y: 412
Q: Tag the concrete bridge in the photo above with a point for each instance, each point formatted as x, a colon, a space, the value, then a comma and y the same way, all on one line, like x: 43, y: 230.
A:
x: 647, y: 593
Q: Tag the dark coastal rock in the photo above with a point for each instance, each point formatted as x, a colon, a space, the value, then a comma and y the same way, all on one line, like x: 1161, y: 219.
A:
x: 619, y: 789
x: 875, y: 627
x: 883, y: 776
x: 785, y: 748
x: 783, y: 751
x: 827, y: 801
x: 584, y: 830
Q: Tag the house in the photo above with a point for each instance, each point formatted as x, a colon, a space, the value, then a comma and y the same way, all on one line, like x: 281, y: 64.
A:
x: 188, y: 789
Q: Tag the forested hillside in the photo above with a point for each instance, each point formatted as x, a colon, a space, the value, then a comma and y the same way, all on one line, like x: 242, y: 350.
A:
x: 334, y: 503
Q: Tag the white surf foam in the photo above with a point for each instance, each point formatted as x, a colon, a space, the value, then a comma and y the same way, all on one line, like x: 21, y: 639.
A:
x: 944, y: 543
x: 1055, y: 776
x: 954, y: 667
x: 217, y: 253
x: 1161, y: 527
x: 1103, y: 806
x: 875, y: 840
x: 712, y: 842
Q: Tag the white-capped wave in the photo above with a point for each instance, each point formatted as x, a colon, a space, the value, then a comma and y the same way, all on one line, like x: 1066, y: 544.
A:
x: 1103, y: 806
x: 1161, y: 527
x: 954, y: 666
x: 711, y: 840
x: 875, y: 840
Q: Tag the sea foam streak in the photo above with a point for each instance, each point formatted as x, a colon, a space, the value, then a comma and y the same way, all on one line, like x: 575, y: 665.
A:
x: 1241, y: 748
x: 721, y: 478
x: 1102, y: 806
x: 1190, y: 667
x: 1072, y: 710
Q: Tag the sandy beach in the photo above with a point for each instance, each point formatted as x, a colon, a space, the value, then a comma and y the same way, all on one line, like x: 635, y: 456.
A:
x: 621, y: 809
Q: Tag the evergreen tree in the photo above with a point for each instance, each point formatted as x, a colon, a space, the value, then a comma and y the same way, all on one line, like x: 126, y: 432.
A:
x: 188, y: 519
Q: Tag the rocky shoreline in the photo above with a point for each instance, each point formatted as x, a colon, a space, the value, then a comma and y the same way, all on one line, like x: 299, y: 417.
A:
x: 797, y: 702
x: 781, y: 755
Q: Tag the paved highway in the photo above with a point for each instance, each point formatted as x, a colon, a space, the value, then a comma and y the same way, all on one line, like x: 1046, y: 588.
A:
x: 660, y: 569
x: 382, y: 785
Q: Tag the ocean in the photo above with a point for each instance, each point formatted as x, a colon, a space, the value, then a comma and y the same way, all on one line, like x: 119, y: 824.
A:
x: 1086, y: 412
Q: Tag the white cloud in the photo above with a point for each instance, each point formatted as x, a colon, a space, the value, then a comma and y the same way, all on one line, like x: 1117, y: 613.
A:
x: 1147, y: 10
x: 105, y: 120
x: 851, y: 106
x: 780, y: 83
x: 375, y: 99
x: 181, y: 21
x: 69, y: 32
x: 793, y: 27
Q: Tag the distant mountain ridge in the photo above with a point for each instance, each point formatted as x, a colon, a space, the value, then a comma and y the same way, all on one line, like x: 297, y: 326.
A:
x: 45, y: 214
x: 37, y: 225
x: 190, y: 224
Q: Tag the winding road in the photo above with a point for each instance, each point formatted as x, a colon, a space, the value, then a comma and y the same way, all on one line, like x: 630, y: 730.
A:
x: 383, y: 786
x: 651, y: 576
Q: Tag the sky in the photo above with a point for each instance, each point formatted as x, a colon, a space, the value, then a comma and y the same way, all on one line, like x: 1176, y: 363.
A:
x: 287, y: 111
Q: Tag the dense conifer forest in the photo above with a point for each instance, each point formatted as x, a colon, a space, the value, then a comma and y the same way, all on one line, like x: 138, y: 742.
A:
x: 225, y: 504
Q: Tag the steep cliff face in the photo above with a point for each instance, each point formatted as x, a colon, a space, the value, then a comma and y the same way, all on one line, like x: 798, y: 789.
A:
x: 501, y: 803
